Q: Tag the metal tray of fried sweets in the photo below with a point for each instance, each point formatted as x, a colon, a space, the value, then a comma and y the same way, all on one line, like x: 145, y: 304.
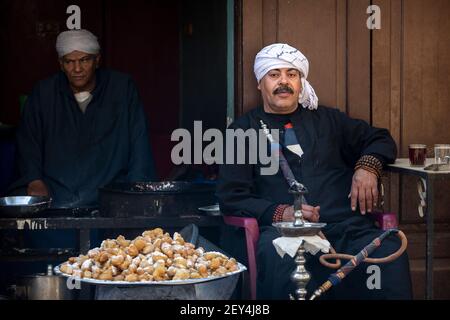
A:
x: 212, y: 287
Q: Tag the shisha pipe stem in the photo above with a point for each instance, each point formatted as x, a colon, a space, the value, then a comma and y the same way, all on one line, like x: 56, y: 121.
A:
x: 298, y: 190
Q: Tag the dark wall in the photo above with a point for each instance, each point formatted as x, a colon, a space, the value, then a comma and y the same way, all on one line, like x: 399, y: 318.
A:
x: 142, y: 38
x: 204, y: 63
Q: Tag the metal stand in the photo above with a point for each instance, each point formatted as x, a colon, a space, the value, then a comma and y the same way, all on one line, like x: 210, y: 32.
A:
x: 300, y: 276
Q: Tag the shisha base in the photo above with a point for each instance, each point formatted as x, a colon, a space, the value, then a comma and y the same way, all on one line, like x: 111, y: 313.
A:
x: 300, y: 276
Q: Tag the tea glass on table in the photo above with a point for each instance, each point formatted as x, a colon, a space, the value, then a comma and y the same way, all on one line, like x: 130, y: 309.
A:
x: 417, y: 155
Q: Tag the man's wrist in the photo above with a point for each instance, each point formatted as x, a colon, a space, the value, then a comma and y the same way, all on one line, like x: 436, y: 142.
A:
x: 371, y: 164
x: 278, y: 213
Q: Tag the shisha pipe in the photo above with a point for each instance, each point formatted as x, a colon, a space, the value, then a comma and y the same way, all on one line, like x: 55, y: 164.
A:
x: 354, y: 261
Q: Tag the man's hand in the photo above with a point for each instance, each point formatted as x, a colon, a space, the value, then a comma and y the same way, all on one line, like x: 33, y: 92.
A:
x: 364, y: 190
x: 37, y: 188
x: 310, y: 213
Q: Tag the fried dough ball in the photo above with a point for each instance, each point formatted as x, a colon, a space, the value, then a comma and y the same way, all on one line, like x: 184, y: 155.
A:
x: 103, y: 257
x: 93, y: 253
x: 157, y: 244
x: 149, y: 269
x: 203, y: 270
x: 159, y: 272
x: 220, y: 271
x: 132, y: 277
x: 87, y: 265
x: 211, y: 255
x: 117, y: 260
x: 180, y: 262
x: 132, y: 250
x: 215, y: 263
x: 132, y: 268
x: 106, y: 275
x: 108, y: 243
x: 140, y: 243
x: 231, y: 264
x: 181, y: 274
x: 159, y: 256
x: 178, y: 238
x: 66, y: 268
x: 149, y: 248
x: 122, y: 241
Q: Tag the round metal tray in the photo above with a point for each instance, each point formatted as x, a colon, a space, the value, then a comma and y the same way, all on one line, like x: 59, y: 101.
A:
x: 287, y: 229
x: 241, y: 268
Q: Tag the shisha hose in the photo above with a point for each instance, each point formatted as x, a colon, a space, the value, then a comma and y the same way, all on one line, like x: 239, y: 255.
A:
x: 354, y: 261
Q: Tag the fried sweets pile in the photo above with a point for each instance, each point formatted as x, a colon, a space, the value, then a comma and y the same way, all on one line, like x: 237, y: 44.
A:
x: 154, y: 256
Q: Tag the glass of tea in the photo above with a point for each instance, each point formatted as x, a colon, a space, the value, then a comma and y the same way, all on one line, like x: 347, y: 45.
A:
x: 417, y: 155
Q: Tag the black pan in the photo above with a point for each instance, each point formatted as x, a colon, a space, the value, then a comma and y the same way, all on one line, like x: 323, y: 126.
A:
x: 167, y: 198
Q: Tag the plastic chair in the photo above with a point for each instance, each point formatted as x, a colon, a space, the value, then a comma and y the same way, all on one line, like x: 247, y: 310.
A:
x: 384, y: 220
x: 251, y: 236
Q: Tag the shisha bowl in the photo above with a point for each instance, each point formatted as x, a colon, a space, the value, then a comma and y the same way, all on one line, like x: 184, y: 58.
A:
x: 288, y: 229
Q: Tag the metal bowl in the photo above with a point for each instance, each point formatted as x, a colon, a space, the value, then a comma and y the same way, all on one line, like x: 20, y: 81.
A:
x: 23, y: 206
x: 287, y: 229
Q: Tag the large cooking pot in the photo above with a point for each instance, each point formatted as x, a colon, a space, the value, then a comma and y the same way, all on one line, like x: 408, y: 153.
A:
x: 168, y: 198
x: 44, y: 287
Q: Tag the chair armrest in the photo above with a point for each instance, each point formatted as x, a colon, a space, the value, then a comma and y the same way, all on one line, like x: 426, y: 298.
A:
x: 249, y: 224
x: 251, y: 228
x: 385, y: 220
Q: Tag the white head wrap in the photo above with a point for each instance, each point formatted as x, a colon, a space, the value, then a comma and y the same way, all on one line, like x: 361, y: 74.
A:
x: 281, y: 55
x: 76, y: 40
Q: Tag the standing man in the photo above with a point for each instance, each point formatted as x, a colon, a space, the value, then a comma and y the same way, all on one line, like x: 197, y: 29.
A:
x: 337, y: 158
x: 82, y: 128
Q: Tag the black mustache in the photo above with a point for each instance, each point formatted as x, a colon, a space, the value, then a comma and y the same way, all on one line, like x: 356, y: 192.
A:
x: 283, y: 89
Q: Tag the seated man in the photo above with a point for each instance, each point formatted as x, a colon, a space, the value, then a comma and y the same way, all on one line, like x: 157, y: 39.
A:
x: 82, y: 128
x: 337, y: 158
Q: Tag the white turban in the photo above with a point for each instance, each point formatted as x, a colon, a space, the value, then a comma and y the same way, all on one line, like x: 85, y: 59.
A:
x: 76, y: 40
x: 281, y: 55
